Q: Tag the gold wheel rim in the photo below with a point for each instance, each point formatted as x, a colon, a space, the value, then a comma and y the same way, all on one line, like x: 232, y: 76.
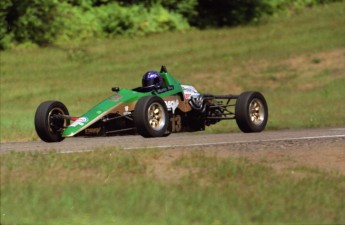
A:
x: 156, y: 116
x: 256, y: 111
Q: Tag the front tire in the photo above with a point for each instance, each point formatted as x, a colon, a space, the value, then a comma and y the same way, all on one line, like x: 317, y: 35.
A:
x: 48, y: 127
x: 151, y: 117
x: 251, y: 112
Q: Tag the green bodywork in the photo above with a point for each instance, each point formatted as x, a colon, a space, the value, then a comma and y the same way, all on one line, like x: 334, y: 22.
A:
x: 123, y: 96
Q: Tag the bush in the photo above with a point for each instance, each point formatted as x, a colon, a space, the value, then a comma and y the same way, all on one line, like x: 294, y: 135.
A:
x: 77, y: 23
x: 186, y: 8
x: 34, y: 21
x: 45, y: 22
x: 276, y: 6
x: 5, y: 37
x: 138, y: 20
x: 228, y: 12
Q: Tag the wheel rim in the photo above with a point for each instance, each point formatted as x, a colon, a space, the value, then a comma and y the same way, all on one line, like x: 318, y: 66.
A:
x: 156, y: 116
x: 256, y: 111
x: 55, y: 124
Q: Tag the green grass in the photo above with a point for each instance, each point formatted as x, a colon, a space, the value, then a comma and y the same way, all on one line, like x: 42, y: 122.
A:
x: 122, y: 187
x: 296, y: 62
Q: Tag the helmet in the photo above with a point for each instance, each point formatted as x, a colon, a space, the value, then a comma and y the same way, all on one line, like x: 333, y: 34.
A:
x: 152, y: 79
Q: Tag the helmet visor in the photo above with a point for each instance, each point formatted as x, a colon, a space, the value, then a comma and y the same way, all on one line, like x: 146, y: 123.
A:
x: 148, y: 82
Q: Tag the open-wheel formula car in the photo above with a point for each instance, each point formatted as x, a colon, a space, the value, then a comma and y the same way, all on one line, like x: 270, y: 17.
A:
x: 158, y: 108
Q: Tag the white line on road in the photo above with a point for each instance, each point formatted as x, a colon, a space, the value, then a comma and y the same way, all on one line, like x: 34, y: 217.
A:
x: 190, y: 141
x: 237, y: 142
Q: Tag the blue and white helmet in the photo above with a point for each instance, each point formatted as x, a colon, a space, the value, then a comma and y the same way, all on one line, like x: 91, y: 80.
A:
x: 152, y: 79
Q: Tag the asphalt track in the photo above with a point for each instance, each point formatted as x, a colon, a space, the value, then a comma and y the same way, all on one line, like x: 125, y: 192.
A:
x: 263, y: 140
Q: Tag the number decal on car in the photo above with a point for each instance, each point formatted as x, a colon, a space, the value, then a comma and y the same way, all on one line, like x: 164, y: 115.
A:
x: 176, y: 123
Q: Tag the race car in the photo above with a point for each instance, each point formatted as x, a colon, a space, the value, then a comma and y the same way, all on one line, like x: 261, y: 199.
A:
x: 159, y: 107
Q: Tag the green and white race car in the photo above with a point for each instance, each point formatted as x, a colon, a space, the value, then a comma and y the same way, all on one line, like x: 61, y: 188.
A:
x: 159, y: 107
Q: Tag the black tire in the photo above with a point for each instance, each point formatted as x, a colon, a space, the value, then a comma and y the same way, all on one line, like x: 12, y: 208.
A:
x: 50, y: 129
x: 148, y: 122
x: 251, y: 112
x: 169, y: 130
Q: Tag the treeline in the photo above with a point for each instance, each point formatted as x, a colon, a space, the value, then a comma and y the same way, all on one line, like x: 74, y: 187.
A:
x: 44, y: 22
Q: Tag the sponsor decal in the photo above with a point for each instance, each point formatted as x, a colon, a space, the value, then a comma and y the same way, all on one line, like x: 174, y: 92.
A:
x: 80, y: 121
x: 189, y: 91
x: 188, y: 88
x: 93, y: 130
x: 168, y: 88
x: 115, y: 97
x: 172, y: 105
x: 187, y: 96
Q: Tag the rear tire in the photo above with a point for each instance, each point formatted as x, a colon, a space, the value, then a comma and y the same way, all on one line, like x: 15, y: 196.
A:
x: 251, y: 112
x: 151, y: 117
x: 48, y: 128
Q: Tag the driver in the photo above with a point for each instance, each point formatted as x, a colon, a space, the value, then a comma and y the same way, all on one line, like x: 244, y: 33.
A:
x: 152, y: 80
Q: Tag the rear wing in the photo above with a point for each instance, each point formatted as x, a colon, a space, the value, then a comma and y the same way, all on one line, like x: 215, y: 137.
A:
x: 168, y: 78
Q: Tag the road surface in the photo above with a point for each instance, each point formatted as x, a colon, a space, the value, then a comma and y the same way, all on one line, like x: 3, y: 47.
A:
x: 264, y: 140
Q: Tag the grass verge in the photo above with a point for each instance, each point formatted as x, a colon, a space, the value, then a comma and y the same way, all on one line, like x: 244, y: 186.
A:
x: 121, y: 187
x: 297, y: 62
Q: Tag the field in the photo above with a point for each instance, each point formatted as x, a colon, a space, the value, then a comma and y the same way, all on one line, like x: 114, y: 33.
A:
x: 178, y: 186
x: 297, y: 62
